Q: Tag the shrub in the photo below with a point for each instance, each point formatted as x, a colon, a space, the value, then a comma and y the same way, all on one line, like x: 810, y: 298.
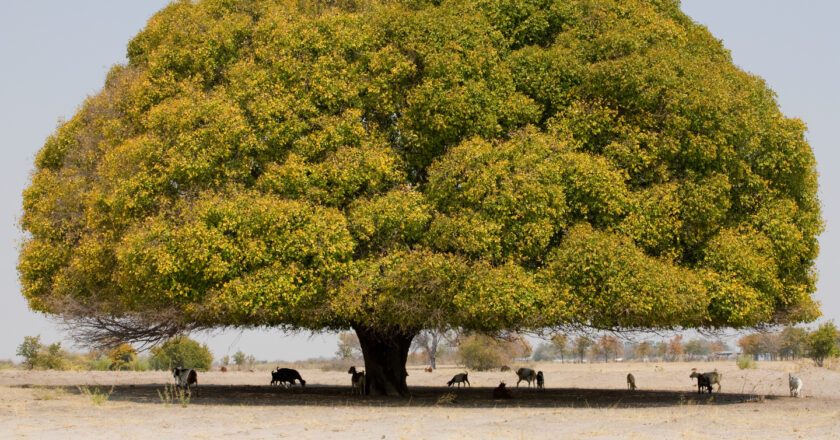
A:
x: 29, y: 350
x: 822, y: 343
x: 99, y: 362
x: 183, y: 352
x: 122, y: 357
x: 745, y: 361
x: 480, y: 352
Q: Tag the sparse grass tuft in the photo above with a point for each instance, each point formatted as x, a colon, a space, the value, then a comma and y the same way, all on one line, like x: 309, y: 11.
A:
x: 46, y: 393
x: 172, y: 393
x: 446, y: 399
x: 97, y: 396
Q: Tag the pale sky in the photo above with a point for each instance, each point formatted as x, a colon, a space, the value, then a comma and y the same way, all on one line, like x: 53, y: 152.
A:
x: 54, y: 53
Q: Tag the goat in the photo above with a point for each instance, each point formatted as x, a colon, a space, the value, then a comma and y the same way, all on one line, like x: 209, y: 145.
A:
x: 184, y: 378
x: 429, y: 369
x: 281, y: 376
x: 501, y: 392
x: 527, y: 375
x: 631, y: 382
x: 540, y: 380
x: 223, y: 369
x: 703, y: 381
x: 505, y: 368
x: 795, y: 385
x: 357, y: 381
x: 459, y: 378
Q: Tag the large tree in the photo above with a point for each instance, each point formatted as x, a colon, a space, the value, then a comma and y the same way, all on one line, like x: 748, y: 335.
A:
x: 394, y: 166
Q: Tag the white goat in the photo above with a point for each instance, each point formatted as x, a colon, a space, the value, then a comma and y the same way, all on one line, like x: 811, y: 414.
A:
x: 795, y: 385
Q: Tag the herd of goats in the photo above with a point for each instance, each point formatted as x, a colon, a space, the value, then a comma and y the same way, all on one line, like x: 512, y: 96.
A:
x: 185, y: 378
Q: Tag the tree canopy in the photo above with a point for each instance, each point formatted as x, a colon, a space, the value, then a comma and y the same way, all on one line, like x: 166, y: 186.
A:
x: 401, y: 165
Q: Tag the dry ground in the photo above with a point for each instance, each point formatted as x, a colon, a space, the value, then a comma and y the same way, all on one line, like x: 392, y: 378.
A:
x: 581, y: 402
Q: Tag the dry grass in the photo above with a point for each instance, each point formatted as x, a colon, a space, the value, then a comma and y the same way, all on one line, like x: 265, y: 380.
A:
x: 581, y: 402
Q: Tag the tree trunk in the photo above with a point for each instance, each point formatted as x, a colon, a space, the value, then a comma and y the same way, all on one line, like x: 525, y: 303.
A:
x: 385, y: 356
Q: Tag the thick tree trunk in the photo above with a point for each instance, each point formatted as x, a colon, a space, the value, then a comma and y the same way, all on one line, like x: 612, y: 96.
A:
x: 385, y: 356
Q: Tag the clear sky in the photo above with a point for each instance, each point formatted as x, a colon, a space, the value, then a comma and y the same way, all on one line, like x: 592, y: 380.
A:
x: 53, y: 53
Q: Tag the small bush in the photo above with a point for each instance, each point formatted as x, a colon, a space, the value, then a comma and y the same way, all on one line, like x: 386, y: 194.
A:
x: 181, y: 352
x: 745, y: 361
x: 172, y: 393
x: 122, y: 357
x: 99, y: 363
x: 97, y: 396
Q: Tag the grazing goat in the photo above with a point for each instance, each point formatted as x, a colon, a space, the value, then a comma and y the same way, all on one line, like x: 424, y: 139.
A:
x: 505, y: 368
x: 184, y: 378
x: 704, y: 381
x: 527, y: 375
x: 357, y: 381
x: 713, y: 377
x: 223, y: 369
x: 429, y: 369
x: 631, y: 382
x: 795, y: 385
x: 540, y: 380
x: 500, y: 392
x: 459, y: 378
x: 281, y: 376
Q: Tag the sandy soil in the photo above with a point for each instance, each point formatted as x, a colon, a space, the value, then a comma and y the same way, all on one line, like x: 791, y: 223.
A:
x: 580, y: 402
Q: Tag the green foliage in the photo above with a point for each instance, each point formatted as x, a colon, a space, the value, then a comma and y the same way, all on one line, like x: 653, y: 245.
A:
x: 480, y: 352
x: 239, y: 358
x: 182, y: 352
x: 99, y: 363
x: 122, y: 357
x: 745, y: 361
x: 823, y: 343
x: 29, y: 349
x: 410, y: 165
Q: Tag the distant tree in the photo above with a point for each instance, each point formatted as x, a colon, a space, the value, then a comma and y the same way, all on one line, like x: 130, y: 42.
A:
x: 481, y: 352
x: 661, y: 349
x: 750, y: 345
x: 822, y: 343
x: 676, y: 348
x: 545, y: 352
x: 607, y: 347
x: 644, y: 350
x: 430, y: 341
x: 239, y: 359
x: 122, y: 356
x: 348, y: 346
x: 582, y: 344
x: 718, y: 346
x: 794, y: 342
x: 225, y: 360
x: 561, y: 345
x: 771, y: 344
x: 29, y: 350
x: 183, y: 352
x: 697, y: 348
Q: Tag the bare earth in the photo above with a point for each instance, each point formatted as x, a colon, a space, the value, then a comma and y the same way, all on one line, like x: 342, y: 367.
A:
x: 580, y: 402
